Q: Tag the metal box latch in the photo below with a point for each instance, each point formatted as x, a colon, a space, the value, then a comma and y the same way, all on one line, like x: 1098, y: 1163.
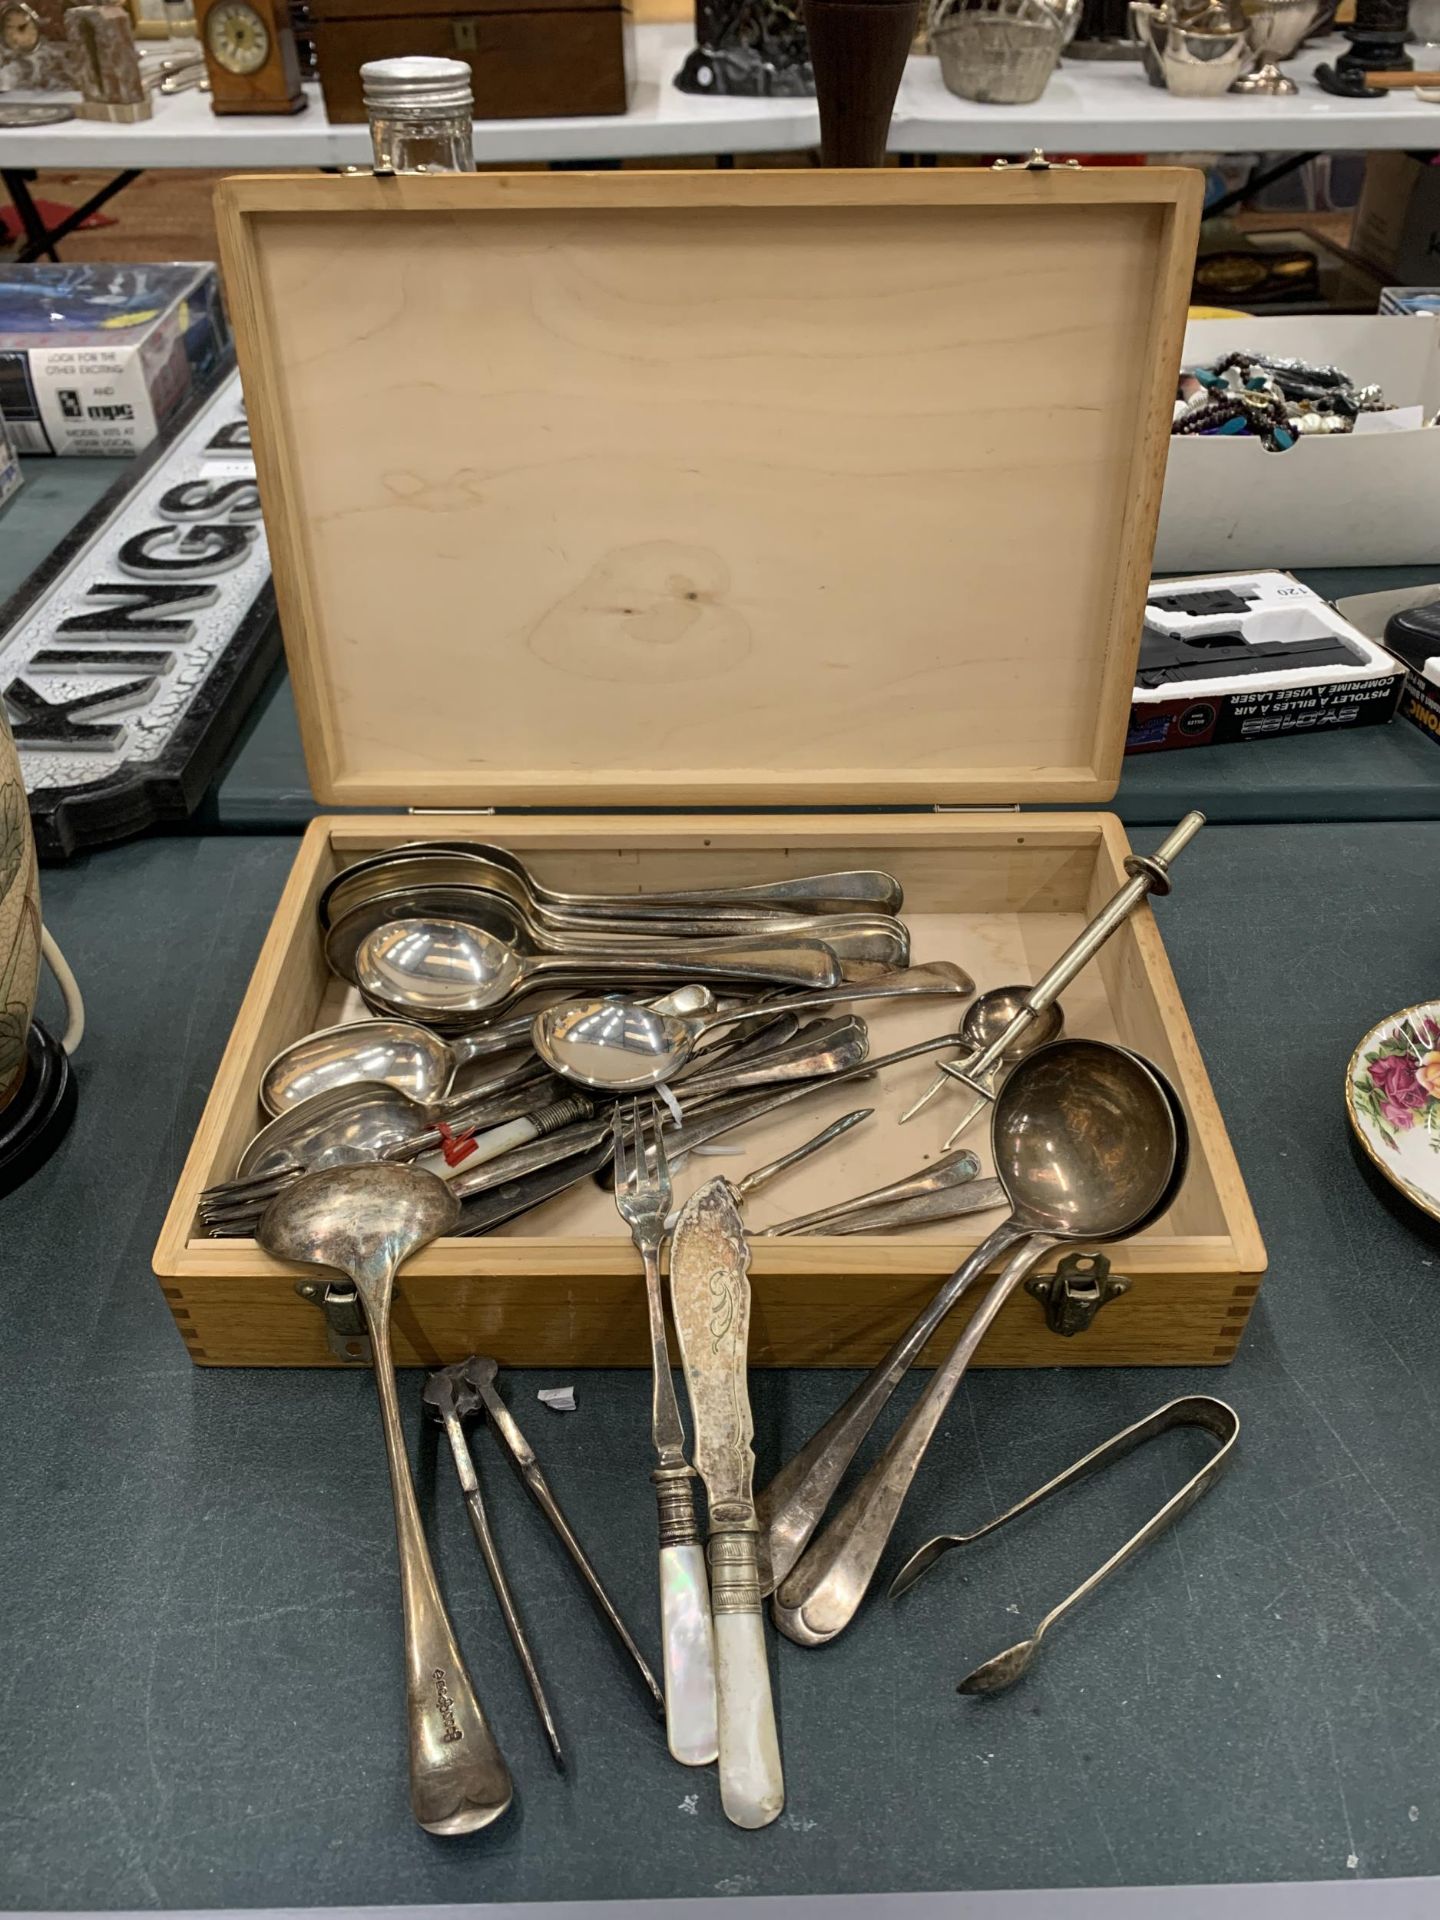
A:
x: 346, y: 1334
x: 1079, y: 1287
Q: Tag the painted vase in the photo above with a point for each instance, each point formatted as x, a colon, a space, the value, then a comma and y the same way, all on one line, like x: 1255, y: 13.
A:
x: 19, y: 920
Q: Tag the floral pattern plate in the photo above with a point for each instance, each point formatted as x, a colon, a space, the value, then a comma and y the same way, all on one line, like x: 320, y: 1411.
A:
x: 1392, y: 1094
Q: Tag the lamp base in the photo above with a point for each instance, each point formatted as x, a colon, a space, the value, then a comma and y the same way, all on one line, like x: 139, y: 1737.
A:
x: 38, y: 1117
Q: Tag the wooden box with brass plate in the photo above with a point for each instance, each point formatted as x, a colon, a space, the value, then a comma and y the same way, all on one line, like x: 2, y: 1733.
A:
x: 527, y: 58
x: 106, y: 65
x: 250, y: 56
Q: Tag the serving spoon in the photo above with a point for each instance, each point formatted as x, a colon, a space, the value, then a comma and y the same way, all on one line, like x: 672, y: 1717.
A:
x: 366, y: 1222
x: 444, y: 968
x: 617, y: 1046
x: 1089, y: 1144
x: 809, y: 893
x: 870, y: 939
x: 404, y: 1055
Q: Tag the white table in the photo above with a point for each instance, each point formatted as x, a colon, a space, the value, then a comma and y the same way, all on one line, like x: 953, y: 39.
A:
x: 1089, y: 107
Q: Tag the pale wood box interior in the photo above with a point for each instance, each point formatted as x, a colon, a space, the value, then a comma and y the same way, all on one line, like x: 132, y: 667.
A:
x: 562, y: 1287
x: 718, y: 490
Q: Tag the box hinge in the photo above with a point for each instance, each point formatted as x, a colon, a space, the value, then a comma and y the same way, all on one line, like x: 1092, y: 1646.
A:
x: 1012, y: 806
x: 346, y: 1333
x: 420, y: 811
x: 1037, y: 163
x: 1079, y: 1287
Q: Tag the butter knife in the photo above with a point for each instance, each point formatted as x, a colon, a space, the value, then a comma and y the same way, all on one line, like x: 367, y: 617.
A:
x: 710, y: 1301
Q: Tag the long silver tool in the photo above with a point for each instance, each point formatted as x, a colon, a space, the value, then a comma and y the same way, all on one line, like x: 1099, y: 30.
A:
x: 478, y: 1373
x: 642, y: 1197
x: 710, y: 1298
x: 1149, y: 873
x: 952, y: 1170
x: 1002, y: 1670
x: 451, y: 1397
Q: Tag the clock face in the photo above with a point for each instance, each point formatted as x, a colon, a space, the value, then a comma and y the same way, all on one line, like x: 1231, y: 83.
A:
x: 237, y: 37
x: 19, y: 28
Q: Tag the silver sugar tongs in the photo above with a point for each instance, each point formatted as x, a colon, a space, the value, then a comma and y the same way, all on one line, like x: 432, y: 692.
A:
x: 1002, y: 1670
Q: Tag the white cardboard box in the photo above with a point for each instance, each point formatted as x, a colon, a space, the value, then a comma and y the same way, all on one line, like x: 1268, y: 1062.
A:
x: 1337, y: 500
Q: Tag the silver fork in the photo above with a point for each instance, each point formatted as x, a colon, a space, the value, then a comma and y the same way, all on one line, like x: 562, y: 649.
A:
x: 642, y: 1195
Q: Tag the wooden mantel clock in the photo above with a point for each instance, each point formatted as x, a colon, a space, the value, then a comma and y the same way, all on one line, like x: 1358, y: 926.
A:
x: 250, y: 56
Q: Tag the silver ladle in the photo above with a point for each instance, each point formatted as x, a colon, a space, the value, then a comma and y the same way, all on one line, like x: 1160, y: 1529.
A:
x: 404, y: 1055
x: 1089, y: 1143
x: 366, y: 1222
x: 616, y: 1046
x: 991, y: 1016
x: 441, y: 967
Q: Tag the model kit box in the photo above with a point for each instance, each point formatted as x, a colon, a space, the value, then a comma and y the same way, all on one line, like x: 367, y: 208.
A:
x: 1234, y: 656
x: 95, y: 359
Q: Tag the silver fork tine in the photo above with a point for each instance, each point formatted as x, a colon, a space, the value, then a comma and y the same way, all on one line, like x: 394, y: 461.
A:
x: 662, y: 1164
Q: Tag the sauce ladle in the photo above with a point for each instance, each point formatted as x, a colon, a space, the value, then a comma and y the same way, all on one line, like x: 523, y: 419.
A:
x: 1089, y: 1143
x: 617, y: 1046
x: 443, y: 967
x: 366, y: 1222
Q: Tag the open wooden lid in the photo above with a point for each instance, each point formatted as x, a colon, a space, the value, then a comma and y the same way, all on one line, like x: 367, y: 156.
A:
x: 733, y: 488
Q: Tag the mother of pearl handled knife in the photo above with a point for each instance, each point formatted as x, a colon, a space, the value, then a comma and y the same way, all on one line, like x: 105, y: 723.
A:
x: 710, y: 1299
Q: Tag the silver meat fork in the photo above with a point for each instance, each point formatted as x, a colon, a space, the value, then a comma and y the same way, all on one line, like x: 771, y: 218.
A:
x: 452, y: 1397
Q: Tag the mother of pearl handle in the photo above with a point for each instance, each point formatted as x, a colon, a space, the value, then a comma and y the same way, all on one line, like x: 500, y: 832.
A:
x: 752, y: 1784
x: 688, y: 1644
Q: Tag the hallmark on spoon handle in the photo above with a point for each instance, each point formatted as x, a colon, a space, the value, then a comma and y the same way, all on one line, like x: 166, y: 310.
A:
x: 458, y: 1777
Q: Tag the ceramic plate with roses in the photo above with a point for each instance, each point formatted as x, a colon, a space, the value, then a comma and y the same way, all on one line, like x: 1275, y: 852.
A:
x: 1393, y: 1097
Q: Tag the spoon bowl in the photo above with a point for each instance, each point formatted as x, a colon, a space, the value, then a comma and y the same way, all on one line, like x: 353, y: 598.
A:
x: 615, y: 1046
x: 411, y: 1058
x: 986, y: 1019
x: 443, y: 969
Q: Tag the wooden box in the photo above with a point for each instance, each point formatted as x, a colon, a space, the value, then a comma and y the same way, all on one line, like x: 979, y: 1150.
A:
x: 527, y: 58
x: 728, y: 491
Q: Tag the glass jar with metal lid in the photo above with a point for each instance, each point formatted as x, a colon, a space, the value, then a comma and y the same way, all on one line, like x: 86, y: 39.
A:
x: 420, y: 111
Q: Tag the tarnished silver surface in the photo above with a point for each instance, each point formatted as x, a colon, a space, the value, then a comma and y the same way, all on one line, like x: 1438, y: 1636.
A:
x: 1003, y: 1669
x: 992, y: 1015
x: 452, y: 1398
x: 941, y: 1176
x: 1090, y: 1143
x: 710, y: 1300
x: 439, y: 968
x: 366, y: 1222
x: 616, y: 1046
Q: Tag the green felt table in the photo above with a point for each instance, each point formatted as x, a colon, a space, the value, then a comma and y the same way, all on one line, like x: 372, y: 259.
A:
x: 199, y: 1639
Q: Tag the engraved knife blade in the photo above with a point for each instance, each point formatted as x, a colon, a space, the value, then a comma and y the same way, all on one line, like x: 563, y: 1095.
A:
x: 710, y: 1299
